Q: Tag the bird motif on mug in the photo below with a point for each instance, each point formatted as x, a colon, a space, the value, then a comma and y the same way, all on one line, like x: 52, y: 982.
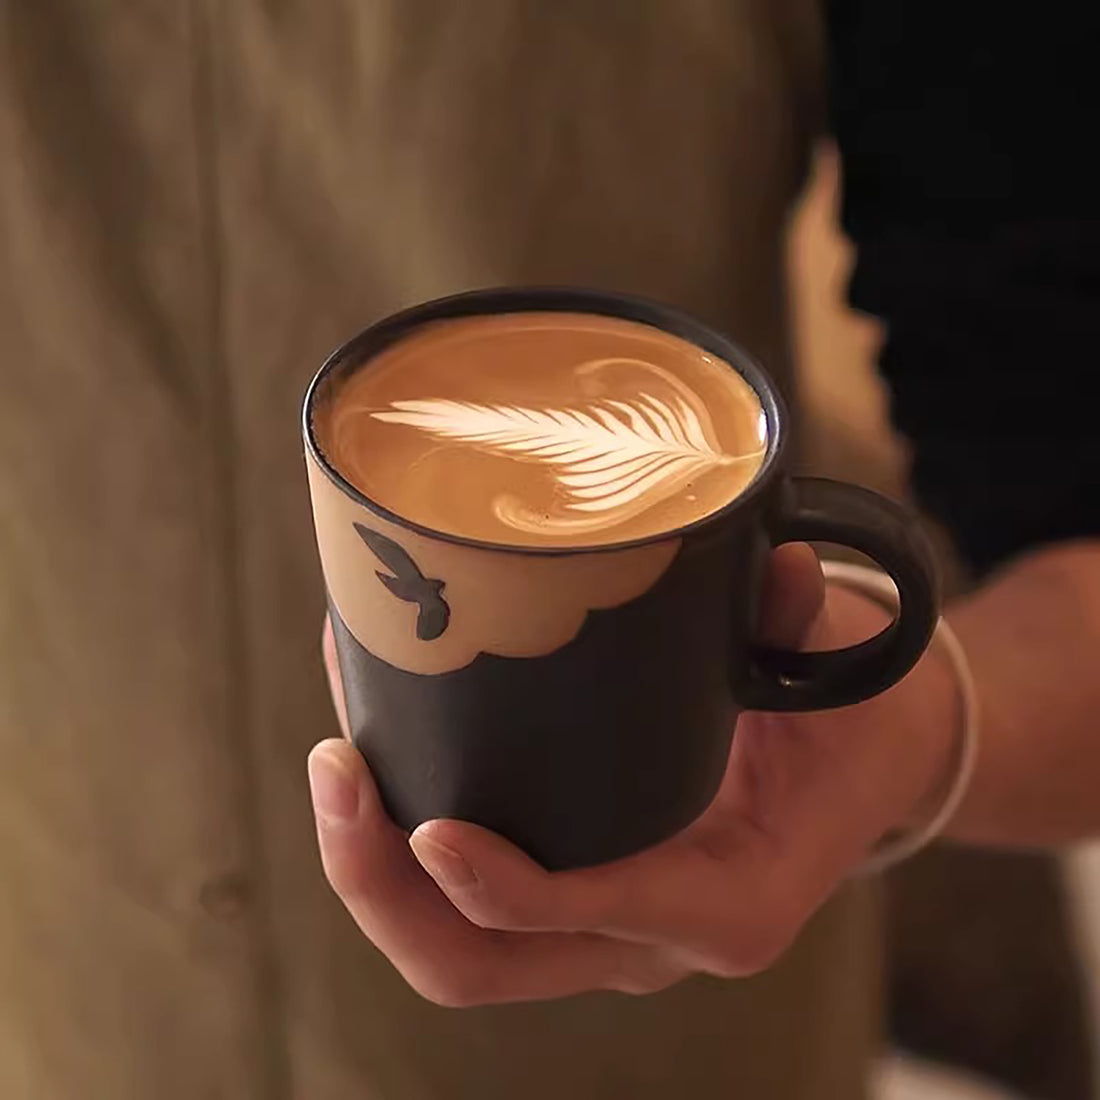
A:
x: 407, y: 583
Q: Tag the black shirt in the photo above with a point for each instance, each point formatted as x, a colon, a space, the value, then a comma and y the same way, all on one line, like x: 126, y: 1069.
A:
x: 969, y: 143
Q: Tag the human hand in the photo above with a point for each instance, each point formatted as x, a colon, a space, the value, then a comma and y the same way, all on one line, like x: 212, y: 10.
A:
x: 468, y: 919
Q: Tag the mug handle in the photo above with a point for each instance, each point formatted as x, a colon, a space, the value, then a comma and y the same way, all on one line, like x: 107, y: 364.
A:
x: 816, y: 509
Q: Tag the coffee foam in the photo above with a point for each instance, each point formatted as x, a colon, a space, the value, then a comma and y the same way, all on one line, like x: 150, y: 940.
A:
x: 545, y: 429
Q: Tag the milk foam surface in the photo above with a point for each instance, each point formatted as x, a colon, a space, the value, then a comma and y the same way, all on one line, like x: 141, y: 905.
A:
x: 545, y: 429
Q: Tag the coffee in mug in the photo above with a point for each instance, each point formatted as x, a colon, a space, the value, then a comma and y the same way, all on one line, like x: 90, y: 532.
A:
x: 546, y: 429
x: 543, y: 517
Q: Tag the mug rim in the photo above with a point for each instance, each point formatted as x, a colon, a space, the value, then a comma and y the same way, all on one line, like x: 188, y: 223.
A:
x: 356, y: 353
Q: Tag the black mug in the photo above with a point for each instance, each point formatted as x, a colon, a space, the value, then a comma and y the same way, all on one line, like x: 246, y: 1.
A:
x: 581, y: 702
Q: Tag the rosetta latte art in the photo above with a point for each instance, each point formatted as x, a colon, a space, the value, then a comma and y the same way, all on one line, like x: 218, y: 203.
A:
x: 611, y: 459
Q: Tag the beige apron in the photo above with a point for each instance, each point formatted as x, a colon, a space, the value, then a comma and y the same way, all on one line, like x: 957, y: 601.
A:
x: 197, y: 201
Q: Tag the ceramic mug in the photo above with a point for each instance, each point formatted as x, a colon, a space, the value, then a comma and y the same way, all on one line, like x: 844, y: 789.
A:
x: 581, y: 701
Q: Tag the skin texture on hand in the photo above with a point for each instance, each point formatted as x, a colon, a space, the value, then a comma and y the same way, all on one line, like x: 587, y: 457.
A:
x: 469, y: 919
x: 1032, y: 635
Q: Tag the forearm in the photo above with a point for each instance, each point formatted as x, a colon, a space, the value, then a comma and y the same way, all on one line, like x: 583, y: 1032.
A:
x: 1032, y: 636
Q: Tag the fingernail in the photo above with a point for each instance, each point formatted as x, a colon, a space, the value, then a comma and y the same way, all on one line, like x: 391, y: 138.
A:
x: 333, y: 786
x: 444, y: 864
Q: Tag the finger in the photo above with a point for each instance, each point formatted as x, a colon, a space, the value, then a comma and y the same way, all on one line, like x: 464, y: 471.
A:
x: 792, y: 595
x: 441, y: 954
x: 698, y: 890
x: 332, y: 671
x: 729, y: 907
x: 728, y: 894
x: 794, y: 614
x: 820, y: 781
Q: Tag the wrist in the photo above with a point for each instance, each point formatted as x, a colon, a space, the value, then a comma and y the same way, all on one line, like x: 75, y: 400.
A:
x: 936, y: 720
x: 919, y: 718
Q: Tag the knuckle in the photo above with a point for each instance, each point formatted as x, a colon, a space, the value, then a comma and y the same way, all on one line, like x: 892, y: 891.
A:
x: 768, y: 946
x: 511, y: 914
x: 347, y: 878
x: 508, y: 912
x: 644, y: 983
x: 450, y: 986
x: 755, y: 946
x: 446, y: 993
x: 641, y: 974
x: 494, y: 914
x: 638, y: 987
x: 447, y: 996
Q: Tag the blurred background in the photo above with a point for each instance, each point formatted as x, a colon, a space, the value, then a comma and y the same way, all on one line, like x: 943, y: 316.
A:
x: 993, y: 960
x: 199, y: 200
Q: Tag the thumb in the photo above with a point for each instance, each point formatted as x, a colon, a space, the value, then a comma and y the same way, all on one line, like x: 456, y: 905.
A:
x: 490, y: 881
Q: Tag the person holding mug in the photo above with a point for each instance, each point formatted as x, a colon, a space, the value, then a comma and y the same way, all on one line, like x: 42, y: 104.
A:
x: 1005, y: 456
x: 198, y: 201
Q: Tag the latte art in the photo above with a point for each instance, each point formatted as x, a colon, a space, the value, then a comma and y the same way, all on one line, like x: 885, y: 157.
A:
x: 546, y: 429
x: 612, y: 459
